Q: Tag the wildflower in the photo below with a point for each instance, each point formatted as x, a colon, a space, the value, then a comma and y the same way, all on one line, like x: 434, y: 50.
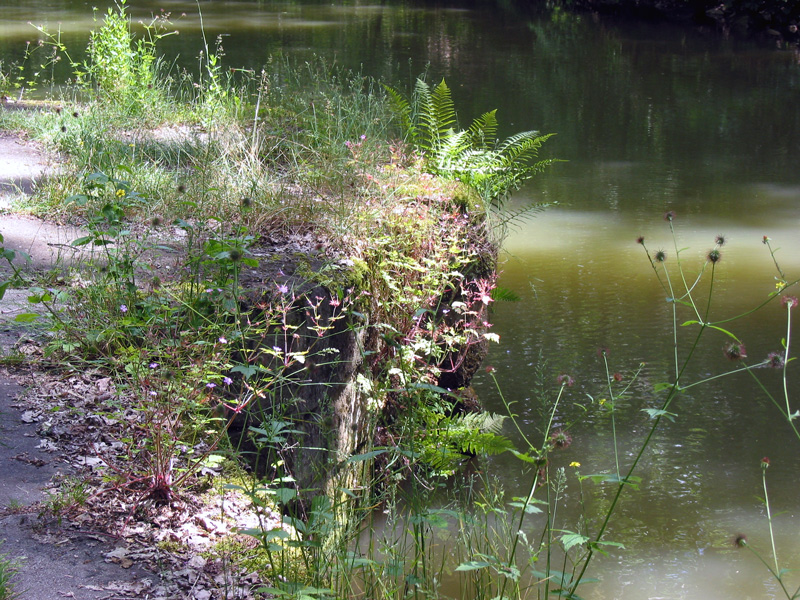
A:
x: 222, y: 340
x: 575, y: 464
x: 560, y: 439
x: 765, y: 240
x: 660, y: 256
x: 363, y: 136
x: 617, y: 376
x: 720, y: 240
x: 153, y: 393
x: 714, y: 256
x: 780, y: 284
x: 789, y: 301
x: 734, y: 351
x: 490, y: 369
x: 227, y: 380
x: 765, y: 462
x: 282, y: 288
x: 565, y: 380
x: 153, y: 365
x: 669, y: 215
x: 210, y: 385
x: 123, y: 308
x: 120, y: 193
x: 775, y: 360
x: 640, y: 239
x: 740, y: 541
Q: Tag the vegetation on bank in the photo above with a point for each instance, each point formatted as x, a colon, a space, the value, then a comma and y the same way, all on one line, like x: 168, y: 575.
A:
x: 256, y: 254
x: 777, y: 19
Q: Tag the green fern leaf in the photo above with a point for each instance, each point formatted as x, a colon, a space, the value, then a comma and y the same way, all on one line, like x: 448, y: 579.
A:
x: 483, y: 130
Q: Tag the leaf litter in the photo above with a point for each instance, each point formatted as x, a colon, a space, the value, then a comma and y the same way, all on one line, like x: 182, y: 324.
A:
x: 83, y: 422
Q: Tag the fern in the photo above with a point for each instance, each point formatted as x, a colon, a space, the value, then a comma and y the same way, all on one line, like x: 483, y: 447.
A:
x: 474, y: 156
x: 447, y: 440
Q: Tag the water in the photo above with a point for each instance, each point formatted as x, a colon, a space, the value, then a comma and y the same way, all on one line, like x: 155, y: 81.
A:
x: 650, y: 119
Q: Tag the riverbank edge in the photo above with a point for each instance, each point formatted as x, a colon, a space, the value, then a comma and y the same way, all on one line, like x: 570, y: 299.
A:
x: 432, y: 197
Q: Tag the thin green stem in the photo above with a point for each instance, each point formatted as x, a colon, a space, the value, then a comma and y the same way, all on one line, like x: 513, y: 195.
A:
x: 789, y: 305
x: 615, y: 500
x: 686, y: 286
x: 531, y: 492
x: 774, y: 573
x: 613, y: 413
x: 764, y: 466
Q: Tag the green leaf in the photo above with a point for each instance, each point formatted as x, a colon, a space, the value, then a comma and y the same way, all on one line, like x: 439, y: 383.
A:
x: 25, y: 317
x: 725, y: 331
x: 524, y: 457
x: 82, y: 241
x: 473, y: 565
x: 660, y: 387
x: 528, y: 507
x: 365, y: 456
x: 657, y: 412
x: 3, y: 288
x: 245, y: 370
x: 571, y: 539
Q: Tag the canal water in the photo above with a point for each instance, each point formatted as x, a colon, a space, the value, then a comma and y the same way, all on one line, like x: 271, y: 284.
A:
x: 649, y: 119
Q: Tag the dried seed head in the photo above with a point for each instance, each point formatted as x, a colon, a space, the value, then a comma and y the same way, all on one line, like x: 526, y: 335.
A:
x: 734, y: 351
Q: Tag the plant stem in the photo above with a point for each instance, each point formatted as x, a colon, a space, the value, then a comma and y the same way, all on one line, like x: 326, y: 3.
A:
x: 769, y: 520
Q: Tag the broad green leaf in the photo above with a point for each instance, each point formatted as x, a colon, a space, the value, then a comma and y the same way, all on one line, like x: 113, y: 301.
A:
x: 245, y: 370
x: 25, y: 317
x: 571, y: 539
x: 473, y: 565
x: 657, y: 412
x: 82, y: 241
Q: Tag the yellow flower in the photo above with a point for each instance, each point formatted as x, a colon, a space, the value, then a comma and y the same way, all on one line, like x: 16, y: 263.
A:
x: 574, y: 464
x: 120, y: 193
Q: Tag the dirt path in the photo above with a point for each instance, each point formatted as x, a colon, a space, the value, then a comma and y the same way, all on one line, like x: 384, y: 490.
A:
x: 54, y: 562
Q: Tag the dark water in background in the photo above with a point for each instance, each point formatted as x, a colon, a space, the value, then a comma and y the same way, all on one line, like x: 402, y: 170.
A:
x: 650, y: 118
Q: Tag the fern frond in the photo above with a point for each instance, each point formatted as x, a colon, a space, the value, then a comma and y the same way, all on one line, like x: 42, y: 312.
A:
x: 501, y: 294
x: 486, y: 444
x: 402, y: 109
x: 483, y: 130
x: 444, y: 111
